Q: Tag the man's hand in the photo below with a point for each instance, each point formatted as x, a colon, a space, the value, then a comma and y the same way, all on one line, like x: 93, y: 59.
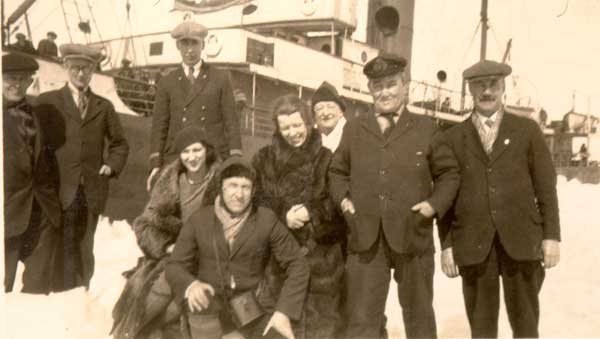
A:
x: 105, y: 170
x: 281, y: 323
x: 551, y: 251
x: 448, y: 266
x: 153, y: 173
x: 425, y: 208
x: 347, y: 206
x: 198, y: 295
x: 297, y: 216
x: 170, y: 248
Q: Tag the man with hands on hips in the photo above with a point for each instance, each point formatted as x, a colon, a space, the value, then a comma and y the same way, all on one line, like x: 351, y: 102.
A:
x: 505, y: 220
x: 390, y: 180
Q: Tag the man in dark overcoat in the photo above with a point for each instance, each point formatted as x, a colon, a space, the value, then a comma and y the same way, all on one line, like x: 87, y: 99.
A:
x: 32, y: 213
x: 390, y: 181
x: 194, y: 94
x: 47, y: 47
x: 93, y: 129
x: 505, y: 218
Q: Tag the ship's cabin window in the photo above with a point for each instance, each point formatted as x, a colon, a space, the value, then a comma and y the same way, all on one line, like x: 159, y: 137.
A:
x: 260, y: 53
x: 156, y: 48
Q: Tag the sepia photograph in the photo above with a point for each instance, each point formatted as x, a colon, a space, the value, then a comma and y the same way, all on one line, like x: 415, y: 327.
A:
x: 300, y: 169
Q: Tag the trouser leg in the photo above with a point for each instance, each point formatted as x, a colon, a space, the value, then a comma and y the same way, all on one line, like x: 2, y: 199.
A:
x: 39, y: 269
x: 12, y: 249
x: 68, y: 257
x: 522, y: 282
x: 367, y: 286
x: 86, y: 247
x: 414, y: 276
x: 481, y: 291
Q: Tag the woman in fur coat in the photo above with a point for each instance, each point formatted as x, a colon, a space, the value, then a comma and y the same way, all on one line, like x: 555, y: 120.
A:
x: 292, y: 182
x: 145, y: 308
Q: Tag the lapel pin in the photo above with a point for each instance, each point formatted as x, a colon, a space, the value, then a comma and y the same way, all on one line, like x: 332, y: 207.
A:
x: 506, y: 141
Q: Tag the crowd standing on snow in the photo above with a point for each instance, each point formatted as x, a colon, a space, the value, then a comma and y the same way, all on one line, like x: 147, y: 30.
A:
x: 300, y: 242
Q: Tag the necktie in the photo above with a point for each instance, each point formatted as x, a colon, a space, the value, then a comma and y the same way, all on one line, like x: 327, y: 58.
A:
x: 488, y: 138
x: 391, y: 123
x: 489, y: 122
x: 191, y: 75
x: 82, y: 103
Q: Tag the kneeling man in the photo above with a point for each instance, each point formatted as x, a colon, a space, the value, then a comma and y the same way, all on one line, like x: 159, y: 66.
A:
x: 220, y: 259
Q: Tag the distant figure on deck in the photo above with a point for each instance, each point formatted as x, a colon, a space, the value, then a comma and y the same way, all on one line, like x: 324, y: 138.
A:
x: 583, y: 155
x: 94, y: 152
x: 47, y: 47
x: 23, y: 44
x: 194, y: 94
x: 505, y: 219
x: 32, y: 213
x: 145, y: 308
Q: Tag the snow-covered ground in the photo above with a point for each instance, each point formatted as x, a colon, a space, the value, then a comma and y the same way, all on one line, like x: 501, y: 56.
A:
x: 570, y: 297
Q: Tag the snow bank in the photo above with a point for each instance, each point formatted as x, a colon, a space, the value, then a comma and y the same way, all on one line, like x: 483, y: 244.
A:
x: 569, y: 298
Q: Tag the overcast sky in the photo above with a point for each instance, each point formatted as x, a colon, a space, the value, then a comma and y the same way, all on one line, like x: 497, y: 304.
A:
x: 554, y: 51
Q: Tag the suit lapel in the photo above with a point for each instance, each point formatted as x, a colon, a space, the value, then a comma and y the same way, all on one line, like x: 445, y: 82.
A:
x: 93, y: 108
x: 503, y: 140
x: 245, y: 233
x: 38, y: 137
x: 69, y: 106
x: 473, y: 141
x: 370, y: 124
x: 199, y: 83
x: 183, y: 82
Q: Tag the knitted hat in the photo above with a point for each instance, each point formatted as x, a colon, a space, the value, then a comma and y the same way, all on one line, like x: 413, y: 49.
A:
x: 187, y: 136
x: 327, y: 92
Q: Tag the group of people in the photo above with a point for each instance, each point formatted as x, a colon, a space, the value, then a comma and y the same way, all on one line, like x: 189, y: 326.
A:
x: 60, y: 151
x: 301, y: 241
x: 46, y: 47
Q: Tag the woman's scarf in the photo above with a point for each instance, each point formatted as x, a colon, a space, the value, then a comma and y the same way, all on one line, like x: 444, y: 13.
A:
x: 231, y: 224
x: 193, y: 197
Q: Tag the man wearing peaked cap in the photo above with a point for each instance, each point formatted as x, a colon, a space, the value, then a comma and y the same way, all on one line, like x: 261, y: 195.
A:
x: 195, y: 94
x: 328, y: 108
x: 93, y: 130
x: 512, y: 229
x: 381, y: 177
x: 32, y: 213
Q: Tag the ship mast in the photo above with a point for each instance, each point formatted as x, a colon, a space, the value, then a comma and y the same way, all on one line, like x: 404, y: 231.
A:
x: 484, y: 29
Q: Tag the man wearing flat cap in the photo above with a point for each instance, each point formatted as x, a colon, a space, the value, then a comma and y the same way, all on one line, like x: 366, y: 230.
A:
x: 23, y: 44
x: 381, y: 176
x: 504, y: 222
x: 47, y: 47
x: 194, y: 94
x: 93, y: 129
x: 32, y: 213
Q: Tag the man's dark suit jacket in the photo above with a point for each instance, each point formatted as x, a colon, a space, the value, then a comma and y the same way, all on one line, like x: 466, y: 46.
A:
x: 208, y: 104
x: 83, y: 152
x: 262, y: 236
x: 511, y: 192
x: 385, y: 177
x: 24, y: 180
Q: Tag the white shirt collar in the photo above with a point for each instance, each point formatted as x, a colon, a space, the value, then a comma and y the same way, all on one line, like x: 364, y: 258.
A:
x: 332, y: 140
x: 197, y: 66
x: 75, y: 91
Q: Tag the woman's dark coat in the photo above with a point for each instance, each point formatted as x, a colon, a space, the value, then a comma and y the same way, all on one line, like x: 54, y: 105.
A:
x: 290, y: 176
x: 156, y: 229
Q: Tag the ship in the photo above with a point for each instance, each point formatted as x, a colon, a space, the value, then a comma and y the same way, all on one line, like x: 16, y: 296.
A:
x: 270, y: 48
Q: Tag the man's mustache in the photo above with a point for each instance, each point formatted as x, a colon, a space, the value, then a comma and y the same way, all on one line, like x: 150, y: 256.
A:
x: 487, y: 98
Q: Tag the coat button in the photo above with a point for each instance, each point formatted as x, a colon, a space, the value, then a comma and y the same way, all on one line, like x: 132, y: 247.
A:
x: 204, y: 108
x: 202, y: 118
x: 185, y: 109
x: 381, y: 197
x: 183, y: 119
x: 489, y: 170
